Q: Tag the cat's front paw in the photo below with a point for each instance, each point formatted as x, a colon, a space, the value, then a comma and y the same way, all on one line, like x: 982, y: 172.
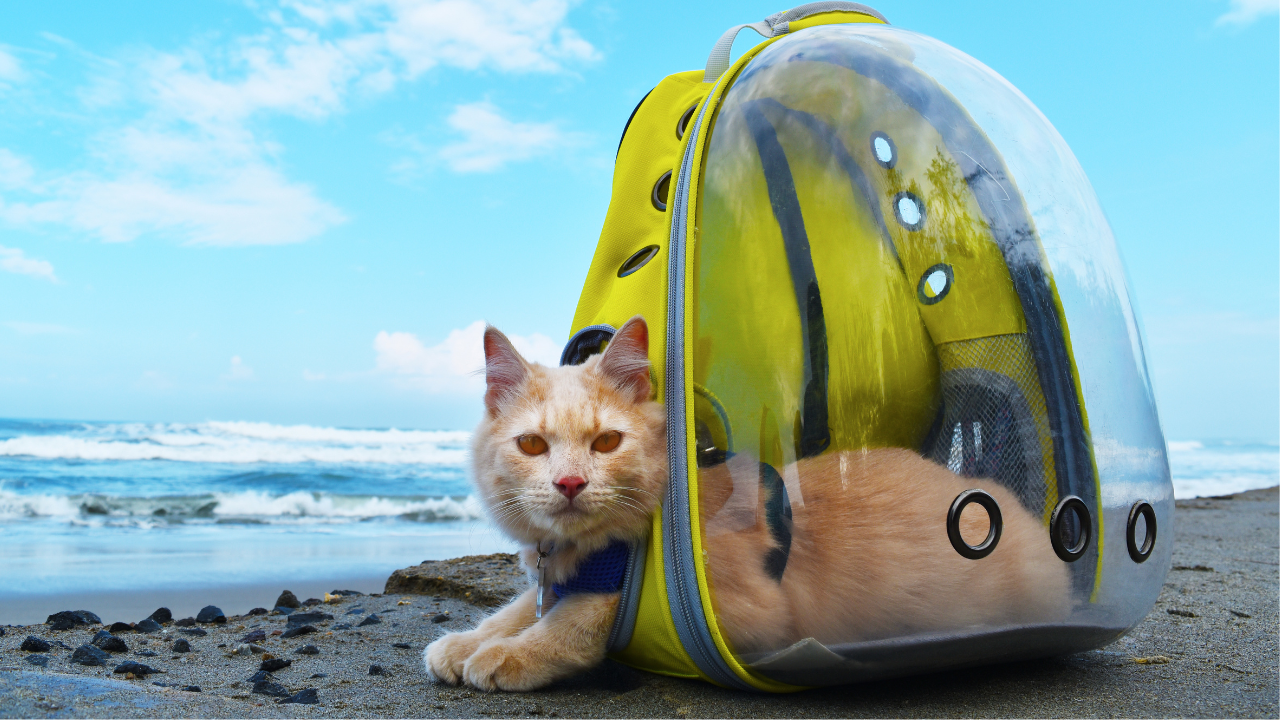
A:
x: 446, y: 657
x: 505, y: 665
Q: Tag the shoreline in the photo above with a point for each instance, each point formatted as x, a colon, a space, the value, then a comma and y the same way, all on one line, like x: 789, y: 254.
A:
x: 1209, y: 647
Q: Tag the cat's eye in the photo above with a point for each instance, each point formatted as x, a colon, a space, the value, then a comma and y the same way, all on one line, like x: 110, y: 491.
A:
x: 607, y: 442
x: 531, y: 444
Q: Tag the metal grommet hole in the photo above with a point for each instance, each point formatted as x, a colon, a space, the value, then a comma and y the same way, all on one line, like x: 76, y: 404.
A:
x: 660, y: 191
x: 1142, y: 521
x: 637, y: 260
x: 1071, y: 528
x: 908, y: 208
x: 935, y: 283
x: 683, y: 123
x: 995, y: 523
x: 884, y: 150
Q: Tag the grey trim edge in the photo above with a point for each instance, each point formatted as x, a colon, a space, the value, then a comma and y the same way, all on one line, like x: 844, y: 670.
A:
x: 624, y: 622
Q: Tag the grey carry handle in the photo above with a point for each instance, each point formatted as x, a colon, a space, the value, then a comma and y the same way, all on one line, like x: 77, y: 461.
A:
x: 773, y: 26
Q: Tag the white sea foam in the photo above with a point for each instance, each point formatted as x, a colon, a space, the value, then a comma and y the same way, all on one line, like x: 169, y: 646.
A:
x: 1201, y: 470
x: 244, y: 442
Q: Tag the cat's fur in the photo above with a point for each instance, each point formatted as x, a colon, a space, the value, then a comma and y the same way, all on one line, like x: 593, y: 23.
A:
x: 869, y: 555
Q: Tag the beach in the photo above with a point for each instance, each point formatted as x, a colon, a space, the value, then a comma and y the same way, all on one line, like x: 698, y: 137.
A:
x: 1209, y: 648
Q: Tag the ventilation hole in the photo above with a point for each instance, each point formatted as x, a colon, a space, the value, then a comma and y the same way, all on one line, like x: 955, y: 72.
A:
x: 638, y: 260
x: 683, y: 123
x: 1142, y: 523
x: 1071, y: 529
x: 909, y: 209
x: 884, y: 150
x: 994, y: 525
x: 660, y: 191
x: 935, y: 283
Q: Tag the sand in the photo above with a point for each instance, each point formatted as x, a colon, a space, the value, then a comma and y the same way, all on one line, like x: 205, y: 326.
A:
x: 1222, y: 646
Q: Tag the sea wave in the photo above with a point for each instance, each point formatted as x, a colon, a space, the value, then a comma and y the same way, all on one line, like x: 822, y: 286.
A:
x: 242, y: 442
x: 246, y: 506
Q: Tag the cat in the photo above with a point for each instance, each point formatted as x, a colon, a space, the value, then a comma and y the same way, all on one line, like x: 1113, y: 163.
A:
x: 571, y: 459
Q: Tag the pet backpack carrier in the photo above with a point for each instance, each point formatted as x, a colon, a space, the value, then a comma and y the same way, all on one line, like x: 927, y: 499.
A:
x: 858, y: 237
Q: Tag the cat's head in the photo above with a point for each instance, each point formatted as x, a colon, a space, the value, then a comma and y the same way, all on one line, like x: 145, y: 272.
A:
x: 573, y: 453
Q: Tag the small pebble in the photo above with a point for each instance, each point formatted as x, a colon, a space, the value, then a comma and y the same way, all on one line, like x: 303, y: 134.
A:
x: 342, y: 626
x: 371, y: 620
x: 355, y: 611
x: 276, y: 632
x: 135, y: 668
x: 38, y: 660
x: 211, y: 614
x: 182, y: 645
x: 161, y: 615
x: 256, y: 636
x: 109, y: 642
x: 402, y: 646
x: 377, y: 670
x: 266, y: 687
x: 146, y: 653
x: 35, y: 644
x: 191, y: 688
x: 304, y: 697
x: 194, y: 632
x: 260, y: 676
x: 275, y: 664
x: 119, y: 627
x: 89, y: 655
x: 148, y: 626
x: 307, y: 650
x: 318, y: 675
x: 308, y: 618
x: 312, y: 601
x: 440, y: 617
x: 301, y: 630
x: 185, y: 622
x: 258, y: 611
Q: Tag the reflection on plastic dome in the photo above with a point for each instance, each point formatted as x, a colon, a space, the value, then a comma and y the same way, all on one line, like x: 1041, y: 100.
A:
x: 904, y: 289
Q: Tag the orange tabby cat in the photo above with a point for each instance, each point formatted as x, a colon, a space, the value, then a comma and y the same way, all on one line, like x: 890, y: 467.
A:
x: 570, y: 459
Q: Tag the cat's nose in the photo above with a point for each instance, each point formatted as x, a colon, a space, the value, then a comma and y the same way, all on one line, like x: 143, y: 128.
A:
x: 570, y: 486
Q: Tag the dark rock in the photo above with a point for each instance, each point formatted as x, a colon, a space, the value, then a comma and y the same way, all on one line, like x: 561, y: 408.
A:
x: 303, y: 697
x: 486, y: 580
x: 284, y: 610
x: 194, y: 632
x: 35, y: 644
x: 210, y: 614
x: 68, y: 619
x: 342, y: 626
x: 185, y: 622
x: 355, y: 611
x: 222, y: 645
x: 148, y: 626
x: 266, y: 687
x: 109, y: 642
x: 440, y: 617
x: 377, y: 670
x: 161, y: 615
x: 299, y: 630
x: 89, y: 655
x: 191, y: 688
x: 307, y: 650
x: 182, y: 645
x: 371, y: 620
x: 260, y: 676
x: 254, y: 636
x: 38, y: 660
x: 402, y: 646
x: 146, y: 653
x: 275, y: 665
x: 119, y: 627
x: 307, y: 618
x: 288, y: 600
x: 258, y: 611
x: 318, y: 675
x: 312, y: 602
x: 136, y: 668
x: 347, y: 593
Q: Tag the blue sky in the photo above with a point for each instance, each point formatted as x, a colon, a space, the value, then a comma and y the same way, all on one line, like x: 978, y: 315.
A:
x: 296, y: 211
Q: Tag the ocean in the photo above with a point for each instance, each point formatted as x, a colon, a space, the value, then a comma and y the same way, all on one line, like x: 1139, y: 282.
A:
x: 99, y: 507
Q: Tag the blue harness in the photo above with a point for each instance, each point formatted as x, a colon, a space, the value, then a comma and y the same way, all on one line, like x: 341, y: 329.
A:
x: 601, y: 572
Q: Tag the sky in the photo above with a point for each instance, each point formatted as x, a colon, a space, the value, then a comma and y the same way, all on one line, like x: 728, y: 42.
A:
x: 303, y: 211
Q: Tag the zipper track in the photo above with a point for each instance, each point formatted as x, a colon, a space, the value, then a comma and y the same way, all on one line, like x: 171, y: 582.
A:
x: 683, y: 596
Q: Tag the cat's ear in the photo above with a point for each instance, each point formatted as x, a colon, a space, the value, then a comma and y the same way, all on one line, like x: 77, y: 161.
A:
x: 504, y: 369
x: 626, y: 360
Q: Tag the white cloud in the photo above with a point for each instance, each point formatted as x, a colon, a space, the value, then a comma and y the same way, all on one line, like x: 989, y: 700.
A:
x: 185, y: 156
x: 10, y: 69
x: 490, y: 141
x: 238, y: 370
x: 456, y: 365
x: 29, y: 328
x: 14, y: 171
x: 15, y: 261
x: 1243, y: 12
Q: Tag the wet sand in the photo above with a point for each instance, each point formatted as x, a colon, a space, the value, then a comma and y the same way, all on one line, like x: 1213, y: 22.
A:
x: 1213, y: 633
